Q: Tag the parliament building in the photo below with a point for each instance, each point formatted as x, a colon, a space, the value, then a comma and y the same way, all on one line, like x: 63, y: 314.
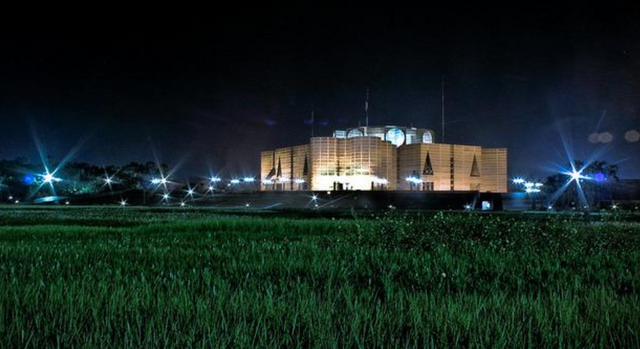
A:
x: 384, y: 158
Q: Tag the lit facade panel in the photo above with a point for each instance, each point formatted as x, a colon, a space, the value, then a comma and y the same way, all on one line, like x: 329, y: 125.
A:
x: 359, y: 163
x: 284, y: 168
x: 442, y: 167
x: 494, y: 170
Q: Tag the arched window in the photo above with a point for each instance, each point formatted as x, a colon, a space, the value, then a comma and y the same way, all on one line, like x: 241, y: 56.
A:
x: 427, y: 137
x: 354, y: 133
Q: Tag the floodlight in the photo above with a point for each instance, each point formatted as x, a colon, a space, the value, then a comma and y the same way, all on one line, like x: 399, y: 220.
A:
x: 576, y: 175
x: 235, y: 181
x: 299, y: 181
x: 248, y: 179
x: 155, y: 181
x: 314, y: 198
x: 123, y: 203
x: 215, y: 179
x: 518, y: 181
x: 48, y: 178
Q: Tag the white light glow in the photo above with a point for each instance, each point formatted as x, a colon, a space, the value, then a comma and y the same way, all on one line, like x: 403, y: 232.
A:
x: 381, y: 181
x: 123, y: 203
x: 211, y: 188
x: 215, y: 179
x: 155, y: 181
x: 413, y: 180
x: 518, y: 181
x: 190, y: 191
x: 248, y: 179
x: 183, y: 204
x: 314, y: 198
x: 267, y: 182
x: 49, y: 178
x: 299, y: 181
x: 528, y: 185
x: 235, y: 181
x: 576, y: 175
x: 165, y: 196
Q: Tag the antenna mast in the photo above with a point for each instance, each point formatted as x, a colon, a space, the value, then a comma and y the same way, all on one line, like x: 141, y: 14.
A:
x: 442, y: 90
x: 366, y: 113
x: 313, y: 114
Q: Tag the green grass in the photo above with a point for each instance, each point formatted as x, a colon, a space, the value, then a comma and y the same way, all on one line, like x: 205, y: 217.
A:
x: 112, y: 277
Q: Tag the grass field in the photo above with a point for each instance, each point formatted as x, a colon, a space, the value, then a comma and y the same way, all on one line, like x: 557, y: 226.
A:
x: 113, y: 277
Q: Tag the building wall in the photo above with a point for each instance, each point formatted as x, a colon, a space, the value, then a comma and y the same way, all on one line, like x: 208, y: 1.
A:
x: 352, y: 164
x: 291, y: 160
x: 451, y: 163
x: 356, y: 163
x: 494, y: 170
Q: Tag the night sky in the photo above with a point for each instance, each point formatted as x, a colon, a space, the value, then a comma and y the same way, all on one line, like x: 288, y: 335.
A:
x: 211, y: 94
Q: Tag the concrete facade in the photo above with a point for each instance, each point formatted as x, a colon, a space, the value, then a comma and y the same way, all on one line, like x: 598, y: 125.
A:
x: 368, y: 162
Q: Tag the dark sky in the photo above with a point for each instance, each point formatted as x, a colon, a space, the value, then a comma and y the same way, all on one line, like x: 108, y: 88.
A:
x: 213, y: 93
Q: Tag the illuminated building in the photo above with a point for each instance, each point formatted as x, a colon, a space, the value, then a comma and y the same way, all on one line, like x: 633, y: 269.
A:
x: 384, y: 158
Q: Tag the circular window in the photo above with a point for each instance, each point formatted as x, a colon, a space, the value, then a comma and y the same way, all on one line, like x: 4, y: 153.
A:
x: 395, y: 136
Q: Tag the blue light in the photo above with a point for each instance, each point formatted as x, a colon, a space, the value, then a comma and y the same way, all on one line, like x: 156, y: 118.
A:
x: 28, y: 179
x: 600, y: 177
